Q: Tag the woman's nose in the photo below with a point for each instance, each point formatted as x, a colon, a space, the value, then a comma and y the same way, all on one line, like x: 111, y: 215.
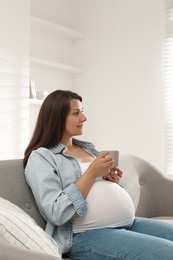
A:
x: 84, y: 118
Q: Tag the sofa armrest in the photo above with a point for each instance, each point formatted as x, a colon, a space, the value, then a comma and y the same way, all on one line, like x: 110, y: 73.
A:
x: 8, y: 252
x: 150, y: 190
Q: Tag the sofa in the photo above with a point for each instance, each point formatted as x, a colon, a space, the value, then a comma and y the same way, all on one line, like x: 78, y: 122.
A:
x: 150, y: 190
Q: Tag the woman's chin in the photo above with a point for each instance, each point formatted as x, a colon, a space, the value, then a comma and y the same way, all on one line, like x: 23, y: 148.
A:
x: 79, y: 132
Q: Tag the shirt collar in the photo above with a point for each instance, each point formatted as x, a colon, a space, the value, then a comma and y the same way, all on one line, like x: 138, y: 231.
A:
x: 60, y: 147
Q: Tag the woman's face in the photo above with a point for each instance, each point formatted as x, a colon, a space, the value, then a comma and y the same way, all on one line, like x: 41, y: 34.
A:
x: 75, y: 119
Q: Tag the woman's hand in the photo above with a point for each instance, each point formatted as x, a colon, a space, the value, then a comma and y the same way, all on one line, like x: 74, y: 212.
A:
x: 114, y: 175
x: 102, y: 165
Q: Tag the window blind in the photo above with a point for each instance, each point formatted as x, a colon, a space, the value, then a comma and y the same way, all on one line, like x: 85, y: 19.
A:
x: 168, y: 60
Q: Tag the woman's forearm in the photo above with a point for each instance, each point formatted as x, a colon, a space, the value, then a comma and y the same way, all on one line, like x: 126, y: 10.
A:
x: 85, y: 182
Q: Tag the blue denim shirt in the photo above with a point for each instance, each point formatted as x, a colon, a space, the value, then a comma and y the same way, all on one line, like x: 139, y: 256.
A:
x: 52, y: 174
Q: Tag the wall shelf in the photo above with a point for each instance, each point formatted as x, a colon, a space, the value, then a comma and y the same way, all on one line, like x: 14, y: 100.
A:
x: 55, y: 65
x: 72, y: 34
x: 33, y: 101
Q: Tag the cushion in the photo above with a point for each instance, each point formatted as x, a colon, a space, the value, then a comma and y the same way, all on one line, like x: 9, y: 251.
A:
x: 19, y: 229
x: 168, y: 219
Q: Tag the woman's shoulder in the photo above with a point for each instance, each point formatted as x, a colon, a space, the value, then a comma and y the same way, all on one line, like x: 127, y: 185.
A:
x: 43, y: 154
x: 40, y: 151
x: 42, y: 157
x: 48, y: 151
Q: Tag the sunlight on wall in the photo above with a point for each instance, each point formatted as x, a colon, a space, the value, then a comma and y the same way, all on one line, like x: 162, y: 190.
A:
x: 14, y: 105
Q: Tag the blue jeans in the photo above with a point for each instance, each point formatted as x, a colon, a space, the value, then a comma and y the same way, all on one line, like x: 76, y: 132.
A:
x: 145, y: 239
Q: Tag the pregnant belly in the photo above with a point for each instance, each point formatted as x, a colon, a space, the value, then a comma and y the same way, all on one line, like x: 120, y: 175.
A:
x: 108, y: 205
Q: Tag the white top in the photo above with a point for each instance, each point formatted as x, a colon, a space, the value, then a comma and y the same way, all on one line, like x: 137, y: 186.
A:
x: 108, y: 205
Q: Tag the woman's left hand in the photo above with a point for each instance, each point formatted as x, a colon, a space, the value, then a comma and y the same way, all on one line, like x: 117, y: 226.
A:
x: 114, y: 175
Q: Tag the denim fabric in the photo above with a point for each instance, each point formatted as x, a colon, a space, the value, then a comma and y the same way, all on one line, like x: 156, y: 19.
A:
x: 52, y: 174
x: 145, y: 239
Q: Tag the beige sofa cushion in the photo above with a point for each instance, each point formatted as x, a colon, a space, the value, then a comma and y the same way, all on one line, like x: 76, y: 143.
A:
x: 167, y: 219
x: 19, y: 229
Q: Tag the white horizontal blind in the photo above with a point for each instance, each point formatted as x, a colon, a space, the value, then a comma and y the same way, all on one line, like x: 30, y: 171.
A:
x: 169, y: 86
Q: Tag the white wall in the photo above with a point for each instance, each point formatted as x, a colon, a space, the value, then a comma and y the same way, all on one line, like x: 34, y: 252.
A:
x: 122, y: 85
x: 14, y: 77
x: 51, y: 46
x: 57, y: 11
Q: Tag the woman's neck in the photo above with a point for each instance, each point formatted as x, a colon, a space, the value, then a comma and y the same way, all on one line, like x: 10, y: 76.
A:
x: 67, y: 142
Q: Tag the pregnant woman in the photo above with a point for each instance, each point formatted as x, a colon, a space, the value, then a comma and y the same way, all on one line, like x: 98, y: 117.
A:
x: 77, y: 191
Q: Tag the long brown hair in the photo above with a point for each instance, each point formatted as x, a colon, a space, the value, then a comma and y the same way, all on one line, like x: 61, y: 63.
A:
x: 50, y: 123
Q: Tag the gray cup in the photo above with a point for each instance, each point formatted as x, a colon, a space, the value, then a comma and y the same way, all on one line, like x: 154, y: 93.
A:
x: 115, y: 155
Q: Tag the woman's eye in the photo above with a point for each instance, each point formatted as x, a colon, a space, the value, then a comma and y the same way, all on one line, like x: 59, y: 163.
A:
x: 76, y: 113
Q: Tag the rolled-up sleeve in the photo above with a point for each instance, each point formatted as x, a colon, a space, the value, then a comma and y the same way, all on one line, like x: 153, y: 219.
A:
x: 75, y: 195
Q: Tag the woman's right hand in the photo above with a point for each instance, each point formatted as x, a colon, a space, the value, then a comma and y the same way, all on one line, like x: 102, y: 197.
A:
x: 101, y: 166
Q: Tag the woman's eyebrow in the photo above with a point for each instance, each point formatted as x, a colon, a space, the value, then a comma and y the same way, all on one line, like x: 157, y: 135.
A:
x: 78, y: 109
